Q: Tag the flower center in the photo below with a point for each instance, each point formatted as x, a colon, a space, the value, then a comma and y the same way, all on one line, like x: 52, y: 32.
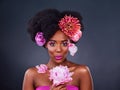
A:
x: 69, y: 26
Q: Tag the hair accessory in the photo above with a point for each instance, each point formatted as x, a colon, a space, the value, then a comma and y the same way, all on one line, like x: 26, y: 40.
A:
x: 71, y: 27
x: 72, y: 49
x: 39, y: 38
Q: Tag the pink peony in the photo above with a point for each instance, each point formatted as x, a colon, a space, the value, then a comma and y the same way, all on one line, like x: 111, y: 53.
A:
x: 60, y: 75
x: 39, y: 38
x: 72, y: 49
x: 42, y: 68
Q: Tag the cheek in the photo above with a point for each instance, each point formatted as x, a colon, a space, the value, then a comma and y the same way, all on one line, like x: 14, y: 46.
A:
x: 65, y: 50
x: 50, y: 50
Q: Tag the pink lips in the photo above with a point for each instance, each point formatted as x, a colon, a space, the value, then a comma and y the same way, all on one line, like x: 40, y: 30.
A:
x: 58, y: 57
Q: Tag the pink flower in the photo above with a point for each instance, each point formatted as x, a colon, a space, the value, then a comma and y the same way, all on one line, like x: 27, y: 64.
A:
x: 71, y: 27
x: 77, y: 36
x: 42, y: 68
x: 39, y: 38
x: 72, y: 49
x: 60, y: 75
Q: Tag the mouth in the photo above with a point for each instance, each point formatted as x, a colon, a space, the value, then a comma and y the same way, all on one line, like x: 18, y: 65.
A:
x: 58, y: 57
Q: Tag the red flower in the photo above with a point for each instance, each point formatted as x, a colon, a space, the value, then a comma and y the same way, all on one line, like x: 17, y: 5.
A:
x: 71, y: 27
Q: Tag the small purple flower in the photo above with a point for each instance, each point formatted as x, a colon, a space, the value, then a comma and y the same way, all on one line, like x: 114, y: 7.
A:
x: 39, y: 38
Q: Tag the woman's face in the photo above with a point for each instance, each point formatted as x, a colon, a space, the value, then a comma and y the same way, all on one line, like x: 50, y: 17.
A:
x: 58, y: 47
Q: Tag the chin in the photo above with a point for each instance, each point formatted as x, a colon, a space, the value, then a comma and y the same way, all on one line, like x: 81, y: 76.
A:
x: 59, y: 61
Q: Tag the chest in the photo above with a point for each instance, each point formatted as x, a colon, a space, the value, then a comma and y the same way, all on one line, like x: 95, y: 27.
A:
x: 43, y: 80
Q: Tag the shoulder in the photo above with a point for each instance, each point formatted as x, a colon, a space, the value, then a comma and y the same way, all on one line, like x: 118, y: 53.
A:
x: 83, y: 71
x: 80, y: 69
x: 31, y: 72
x: 83, y: 68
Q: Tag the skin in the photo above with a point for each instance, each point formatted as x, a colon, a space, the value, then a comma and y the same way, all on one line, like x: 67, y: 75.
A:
x: 58, y: 45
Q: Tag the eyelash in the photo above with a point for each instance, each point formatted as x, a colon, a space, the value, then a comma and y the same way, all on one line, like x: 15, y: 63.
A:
x: 52, y: 44
x: 65, y: 44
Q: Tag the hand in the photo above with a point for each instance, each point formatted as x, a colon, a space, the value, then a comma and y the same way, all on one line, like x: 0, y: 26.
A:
x: 59, y: 87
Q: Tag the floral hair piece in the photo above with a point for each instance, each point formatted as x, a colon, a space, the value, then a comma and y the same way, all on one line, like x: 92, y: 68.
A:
x: 72, y: 49
x: 71, y: 27
x: 39, y: 38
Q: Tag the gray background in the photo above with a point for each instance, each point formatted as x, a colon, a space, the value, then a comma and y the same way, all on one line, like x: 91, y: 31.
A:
x: 99, y: 48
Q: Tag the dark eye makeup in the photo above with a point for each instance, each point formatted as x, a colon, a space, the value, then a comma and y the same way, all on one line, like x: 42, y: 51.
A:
x: 64, y: 43
x: 52, y: 43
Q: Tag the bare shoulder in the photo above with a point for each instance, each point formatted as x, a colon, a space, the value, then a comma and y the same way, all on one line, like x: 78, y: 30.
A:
x: 29, y: 78
x: 31, y: 72
x: 83, y: 70
x: 80, y: 68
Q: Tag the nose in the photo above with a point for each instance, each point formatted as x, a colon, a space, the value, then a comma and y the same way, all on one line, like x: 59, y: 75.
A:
x: 58, y: 48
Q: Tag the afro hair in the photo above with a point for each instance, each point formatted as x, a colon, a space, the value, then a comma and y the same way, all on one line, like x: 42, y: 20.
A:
x: 46, y: 21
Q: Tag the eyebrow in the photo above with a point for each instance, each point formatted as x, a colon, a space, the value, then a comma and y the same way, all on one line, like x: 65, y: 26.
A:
x: 61, y: 40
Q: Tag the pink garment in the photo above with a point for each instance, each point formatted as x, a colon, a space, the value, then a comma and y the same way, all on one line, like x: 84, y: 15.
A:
x: 69, y: 87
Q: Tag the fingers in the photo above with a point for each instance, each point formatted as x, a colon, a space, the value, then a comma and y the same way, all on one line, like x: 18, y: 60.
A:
x: 59, y: 87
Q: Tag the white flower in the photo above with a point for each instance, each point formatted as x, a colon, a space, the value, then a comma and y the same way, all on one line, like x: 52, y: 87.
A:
x: 72, y: 48
x: 60, y: 75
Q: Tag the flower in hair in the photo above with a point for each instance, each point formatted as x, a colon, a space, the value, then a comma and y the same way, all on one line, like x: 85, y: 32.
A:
x: 42, y: 68
x: 77, y: 36
x: 72, y: 49
x: 71, y: 27
x: 60, y: 75
x: 39, y: 38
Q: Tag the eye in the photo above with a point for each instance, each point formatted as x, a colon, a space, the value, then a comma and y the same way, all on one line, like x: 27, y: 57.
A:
x: 52, y: 43
x: 65, y: 43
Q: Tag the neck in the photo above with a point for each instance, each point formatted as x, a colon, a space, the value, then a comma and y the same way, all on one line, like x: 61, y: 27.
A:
x: 52, y: 64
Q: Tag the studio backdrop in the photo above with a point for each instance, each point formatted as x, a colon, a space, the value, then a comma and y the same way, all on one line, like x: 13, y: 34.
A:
x: 99, y: 48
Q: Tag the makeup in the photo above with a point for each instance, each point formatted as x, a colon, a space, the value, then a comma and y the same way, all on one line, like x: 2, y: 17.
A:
x: 58, y: 57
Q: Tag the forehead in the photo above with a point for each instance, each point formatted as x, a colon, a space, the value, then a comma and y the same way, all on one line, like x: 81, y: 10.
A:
x: 59, y: 36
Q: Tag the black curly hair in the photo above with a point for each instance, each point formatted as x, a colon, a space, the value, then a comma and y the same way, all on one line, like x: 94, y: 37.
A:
x: 46, y: 21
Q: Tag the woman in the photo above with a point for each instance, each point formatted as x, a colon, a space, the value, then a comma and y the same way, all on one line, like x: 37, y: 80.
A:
x: 57, y: 32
